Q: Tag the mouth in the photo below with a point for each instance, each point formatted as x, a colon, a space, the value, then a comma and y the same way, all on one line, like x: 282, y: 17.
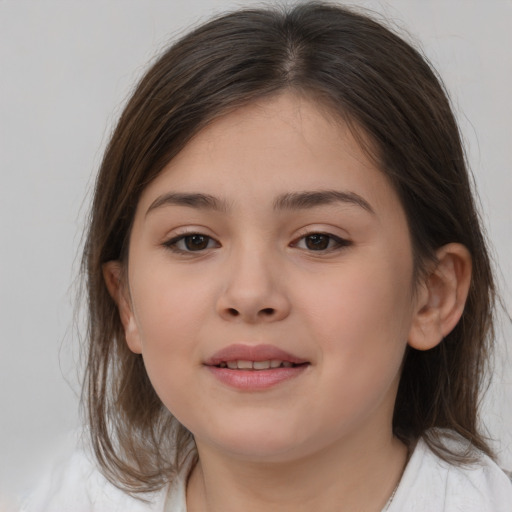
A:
x: 270, y: 364
x: 255, y: 368
x: 254, y: 357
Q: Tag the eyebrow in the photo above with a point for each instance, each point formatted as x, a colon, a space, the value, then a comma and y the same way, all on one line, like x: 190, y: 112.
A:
x: 288, y: 201
x: 311, y: 199
x: 193, y: 200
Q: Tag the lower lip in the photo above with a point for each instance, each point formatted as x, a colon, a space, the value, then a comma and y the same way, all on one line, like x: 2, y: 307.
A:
x: 255, y: 380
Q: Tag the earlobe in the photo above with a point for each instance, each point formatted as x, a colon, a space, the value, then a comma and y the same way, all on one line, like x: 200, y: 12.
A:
x: 112, y: 274
x: 441, y: 297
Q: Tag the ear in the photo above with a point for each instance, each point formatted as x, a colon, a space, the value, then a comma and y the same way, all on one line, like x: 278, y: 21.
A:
x: 441, y: 297
x: 112, y: 273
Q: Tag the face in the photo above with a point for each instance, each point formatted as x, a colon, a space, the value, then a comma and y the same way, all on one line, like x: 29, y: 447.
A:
x: 269, y: 285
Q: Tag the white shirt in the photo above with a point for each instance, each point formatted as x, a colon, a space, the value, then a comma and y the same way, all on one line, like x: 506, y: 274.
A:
x: 431, y: 485
x: 427, y: 485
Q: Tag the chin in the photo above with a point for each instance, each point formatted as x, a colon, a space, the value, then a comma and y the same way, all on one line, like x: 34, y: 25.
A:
x: 257, y: 442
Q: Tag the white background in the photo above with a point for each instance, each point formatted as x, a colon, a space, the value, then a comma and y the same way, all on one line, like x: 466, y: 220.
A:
x: 66, y: 69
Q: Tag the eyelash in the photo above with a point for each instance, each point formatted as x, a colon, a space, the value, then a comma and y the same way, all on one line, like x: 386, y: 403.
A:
x: 172, y: 244
x: 333, y: 243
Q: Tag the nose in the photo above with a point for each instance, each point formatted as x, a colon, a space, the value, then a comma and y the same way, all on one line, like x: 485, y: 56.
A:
x: 253, y: 290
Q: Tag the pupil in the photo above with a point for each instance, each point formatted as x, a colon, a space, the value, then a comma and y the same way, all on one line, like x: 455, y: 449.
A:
x: 317, y: 242
x: 196, y: 242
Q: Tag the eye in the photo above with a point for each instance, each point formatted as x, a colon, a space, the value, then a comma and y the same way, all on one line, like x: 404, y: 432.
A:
x: 194, y: 242
x: 321, y: 242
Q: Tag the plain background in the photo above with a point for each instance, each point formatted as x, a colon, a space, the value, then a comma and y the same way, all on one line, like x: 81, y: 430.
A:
x: 66, y: 69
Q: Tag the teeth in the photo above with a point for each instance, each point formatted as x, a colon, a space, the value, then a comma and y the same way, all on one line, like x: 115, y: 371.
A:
x: 255, y: 365
x: 261, y: 365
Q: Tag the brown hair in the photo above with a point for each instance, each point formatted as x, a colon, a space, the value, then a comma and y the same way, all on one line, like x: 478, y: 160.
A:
x: 386, y: 90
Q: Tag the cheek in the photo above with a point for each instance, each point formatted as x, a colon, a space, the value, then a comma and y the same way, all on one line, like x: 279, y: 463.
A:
x: 168, y: 304
x: 170, y: 317
x: 361, y: 319
x: 169, y: 327
x: 359, y: 299
x: 362, y: 344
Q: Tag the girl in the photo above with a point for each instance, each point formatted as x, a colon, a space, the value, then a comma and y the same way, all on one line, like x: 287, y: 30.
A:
x: 290, y: 294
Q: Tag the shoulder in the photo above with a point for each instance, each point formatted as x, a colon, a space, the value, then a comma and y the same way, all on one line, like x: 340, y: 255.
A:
x: 429, y: 483
x: 484, y: 487
x: 75, y: 484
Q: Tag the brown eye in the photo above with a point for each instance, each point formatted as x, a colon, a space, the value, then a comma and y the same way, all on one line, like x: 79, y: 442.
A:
x: 321, y: 242
x: 194, y: 242
x: 317, y: 242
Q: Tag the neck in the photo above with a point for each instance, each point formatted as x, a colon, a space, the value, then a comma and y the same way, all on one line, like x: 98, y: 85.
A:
x: 352, y: 475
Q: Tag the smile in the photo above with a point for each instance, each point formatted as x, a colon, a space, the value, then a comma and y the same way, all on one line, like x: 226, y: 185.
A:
x: 256, y: 365
x: 253, y: 357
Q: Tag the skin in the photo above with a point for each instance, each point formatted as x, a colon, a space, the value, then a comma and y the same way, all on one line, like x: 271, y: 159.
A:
x: 322, y: 440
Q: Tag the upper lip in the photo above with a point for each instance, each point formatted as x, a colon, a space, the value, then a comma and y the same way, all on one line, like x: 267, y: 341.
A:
x: 241, y: 352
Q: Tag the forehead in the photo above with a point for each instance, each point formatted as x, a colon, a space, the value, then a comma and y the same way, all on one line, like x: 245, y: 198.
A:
x: 271, y: 147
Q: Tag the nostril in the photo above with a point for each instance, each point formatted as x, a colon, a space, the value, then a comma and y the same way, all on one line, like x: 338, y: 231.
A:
x: 267, y: 311
x: 233, y: 312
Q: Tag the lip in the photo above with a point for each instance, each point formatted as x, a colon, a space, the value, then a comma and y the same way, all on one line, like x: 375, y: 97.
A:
x: 252, y: 353
x: 254, y: 380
